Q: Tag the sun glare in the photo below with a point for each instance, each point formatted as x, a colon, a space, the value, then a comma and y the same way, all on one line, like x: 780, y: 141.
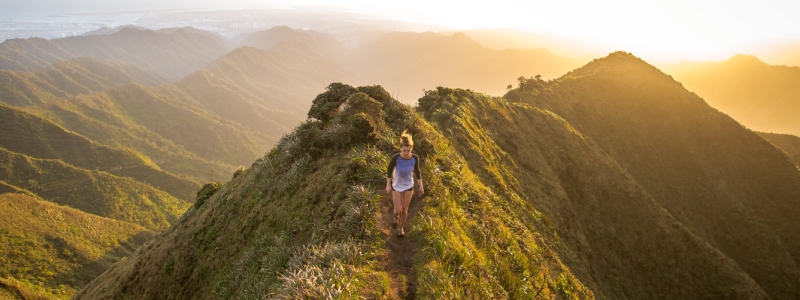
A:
x: 662, y: 30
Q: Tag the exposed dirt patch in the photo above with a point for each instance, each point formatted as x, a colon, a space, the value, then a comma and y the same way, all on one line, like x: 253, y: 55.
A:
x: 399, y: 252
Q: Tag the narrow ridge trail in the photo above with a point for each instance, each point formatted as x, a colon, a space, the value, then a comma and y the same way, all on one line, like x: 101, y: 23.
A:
x: 399, y: 252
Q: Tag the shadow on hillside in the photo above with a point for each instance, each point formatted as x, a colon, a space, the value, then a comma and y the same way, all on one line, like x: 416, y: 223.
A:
x: 89, y: 270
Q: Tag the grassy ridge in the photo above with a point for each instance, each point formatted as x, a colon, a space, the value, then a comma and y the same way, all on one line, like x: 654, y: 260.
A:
x: 557, y: 218
x: 39, y: 138
x: 325, y: 238
x: 54, y: 250
x: 608, y: 230
x: 95, y: 192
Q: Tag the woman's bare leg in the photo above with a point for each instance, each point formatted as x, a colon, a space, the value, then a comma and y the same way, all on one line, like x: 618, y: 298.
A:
x: 404, y: 213
x: 397, y: 200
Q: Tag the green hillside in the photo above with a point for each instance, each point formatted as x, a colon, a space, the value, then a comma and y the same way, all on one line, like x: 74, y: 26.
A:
x: 39, y: 138
x: 99, y: 119
x: 788, y: 143
x: 267, y: 90
x: 67, y: 78
x: 723, y: 182
x: 49, y: 93
x: 171, y: 53
x: 760, y: 96
x: 518, y: 204
x: 51, y: 250
x: 97, y: 191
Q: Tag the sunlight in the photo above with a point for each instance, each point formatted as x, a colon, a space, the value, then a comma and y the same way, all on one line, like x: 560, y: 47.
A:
x: 660, y: 30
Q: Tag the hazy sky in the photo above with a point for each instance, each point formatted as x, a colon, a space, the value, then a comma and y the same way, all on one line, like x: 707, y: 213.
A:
x: 664, y: 28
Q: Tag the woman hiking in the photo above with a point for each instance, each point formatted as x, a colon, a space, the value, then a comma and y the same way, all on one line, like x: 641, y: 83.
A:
x: 403, y: 169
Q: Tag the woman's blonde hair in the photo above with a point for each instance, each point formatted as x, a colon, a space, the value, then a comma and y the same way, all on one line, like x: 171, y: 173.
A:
x: 406, y: 140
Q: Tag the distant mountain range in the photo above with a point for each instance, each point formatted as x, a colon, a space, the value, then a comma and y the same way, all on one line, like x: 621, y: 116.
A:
x: 171, y: 53
x: 762, y: 97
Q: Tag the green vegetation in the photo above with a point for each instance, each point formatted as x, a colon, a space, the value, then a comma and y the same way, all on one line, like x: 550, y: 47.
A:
x: 48, y: 250
x: 312, y: 231
x: 99, y: 118
x: 39, y: 138
x: 543, y: 214
x: 67, y: 78
x: 95, y: 192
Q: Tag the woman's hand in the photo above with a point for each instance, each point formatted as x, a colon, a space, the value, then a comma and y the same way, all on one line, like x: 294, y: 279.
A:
x: 388, y: 189
x: 421, y: 190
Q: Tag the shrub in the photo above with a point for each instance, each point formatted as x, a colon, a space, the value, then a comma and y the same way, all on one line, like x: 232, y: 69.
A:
x: 206, y: 192
x: 327, y: 104
x: 237, y: 172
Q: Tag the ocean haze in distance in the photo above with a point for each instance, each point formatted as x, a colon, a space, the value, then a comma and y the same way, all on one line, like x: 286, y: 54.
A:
x: 658, y: 31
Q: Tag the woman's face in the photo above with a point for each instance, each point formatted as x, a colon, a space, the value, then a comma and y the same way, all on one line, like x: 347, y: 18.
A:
x: 405, y: 151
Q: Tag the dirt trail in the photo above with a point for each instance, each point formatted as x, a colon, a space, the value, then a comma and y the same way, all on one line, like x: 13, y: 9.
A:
x: 399, y: 252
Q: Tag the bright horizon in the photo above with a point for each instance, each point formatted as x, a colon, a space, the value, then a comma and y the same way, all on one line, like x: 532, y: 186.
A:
x: 661, y: 30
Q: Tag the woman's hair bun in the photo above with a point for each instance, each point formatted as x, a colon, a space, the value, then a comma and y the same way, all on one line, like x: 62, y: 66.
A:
x: 406, y: 140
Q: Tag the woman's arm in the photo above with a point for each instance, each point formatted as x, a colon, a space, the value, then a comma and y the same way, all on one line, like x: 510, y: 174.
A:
x: 418, y: 174
x: 389, y: 171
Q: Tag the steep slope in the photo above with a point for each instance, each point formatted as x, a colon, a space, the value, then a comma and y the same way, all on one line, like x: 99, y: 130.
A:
x: 172, y: 53
x: 552, y: 217
x: 49, y: 93
x: 618, y: 240
x: 760, y: 96
x: 66, y: 78
x: 59, y: 248
x: 408, y: 62
x: 726, y: 184
x: 97, y: 191
x: 132, y: 114
x: 266, y: 90
x: 39, y: 138
x: 788, y: 143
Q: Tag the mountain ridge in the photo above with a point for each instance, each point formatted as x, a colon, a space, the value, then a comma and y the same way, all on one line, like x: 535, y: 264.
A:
x: 760, y: 96
x: 679, y: 149
x: 171, y: 53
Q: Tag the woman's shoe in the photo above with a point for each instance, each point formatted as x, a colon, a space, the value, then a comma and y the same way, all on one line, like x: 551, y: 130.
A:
x: 400, y: 233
